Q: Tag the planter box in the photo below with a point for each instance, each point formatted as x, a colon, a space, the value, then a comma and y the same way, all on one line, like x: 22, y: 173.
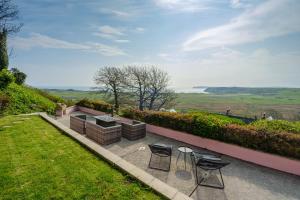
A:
x: 134, y: 130
x: 77, y: 123
x: 103, y: 135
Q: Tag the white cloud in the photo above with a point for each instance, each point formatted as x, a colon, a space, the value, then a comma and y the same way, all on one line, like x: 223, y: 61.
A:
x: 105, y: 49
x: 239, y: 4
x: 181, y: 5
x: 110, y: 30
x: 122, y: 41
x: 270, y: 19
x: 116, y: 13
x: 139, y: 29
x: 36, y: 40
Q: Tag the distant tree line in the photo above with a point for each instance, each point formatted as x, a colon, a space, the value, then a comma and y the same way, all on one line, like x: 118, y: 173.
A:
x: 146, y: 86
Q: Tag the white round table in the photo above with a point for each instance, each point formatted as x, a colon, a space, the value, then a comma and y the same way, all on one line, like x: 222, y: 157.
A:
x: 184, y: 150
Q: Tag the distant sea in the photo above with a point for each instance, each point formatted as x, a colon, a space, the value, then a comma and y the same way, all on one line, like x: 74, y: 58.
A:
x: 87, y: 88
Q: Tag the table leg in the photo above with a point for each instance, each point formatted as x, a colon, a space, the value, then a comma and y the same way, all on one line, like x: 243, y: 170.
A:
x: 184, y: 161
x: 178, y: 157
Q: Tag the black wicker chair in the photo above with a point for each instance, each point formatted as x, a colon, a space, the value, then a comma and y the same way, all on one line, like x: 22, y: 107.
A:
x: 160, y: 150
x: 208, y: 162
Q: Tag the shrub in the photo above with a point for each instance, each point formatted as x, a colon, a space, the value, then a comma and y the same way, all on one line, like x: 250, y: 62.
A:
x: 278, y: 126
x: 6, y: 77
x: 202, y: 124
x: 96, y: 105
x: 226, y: 129
x: 283, y: 143
x: 19, y: 76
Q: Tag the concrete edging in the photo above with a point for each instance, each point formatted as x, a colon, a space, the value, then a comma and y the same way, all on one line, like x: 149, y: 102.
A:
x: 139, y: 174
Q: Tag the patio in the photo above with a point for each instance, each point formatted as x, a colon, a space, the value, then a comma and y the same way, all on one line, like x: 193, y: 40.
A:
x: 242, y: 180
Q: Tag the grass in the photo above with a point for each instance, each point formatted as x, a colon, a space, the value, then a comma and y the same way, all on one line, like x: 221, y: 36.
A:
x: 39, y: 162
x: 23, y: 99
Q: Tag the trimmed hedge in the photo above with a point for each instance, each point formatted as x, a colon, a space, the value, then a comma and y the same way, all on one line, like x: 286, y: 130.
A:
x: 96, y: 105
x: 223, y: 128
x: 283, y: 143
x: 278, y: 126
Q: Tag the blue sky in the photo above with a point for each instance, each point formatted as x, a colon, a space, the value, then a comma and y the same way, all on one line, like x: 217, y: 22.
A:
x: 204, y: 42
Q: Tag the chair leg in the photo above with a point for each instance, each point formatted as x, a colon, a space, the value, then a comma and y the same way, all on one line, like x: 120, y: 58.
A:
x: 213, y: 186
x: 170, y: 163
x: 194, y: 190
x: 150, y: 161
x: 166, y: 170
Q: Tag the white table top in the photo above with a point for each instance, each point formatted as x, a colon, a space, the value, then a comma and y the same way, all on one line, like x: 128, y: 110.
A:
x: 185, y: 149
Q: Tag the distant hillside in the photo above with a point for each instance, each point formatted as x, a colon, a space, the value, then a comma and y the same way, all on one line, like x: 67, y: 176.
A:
x: 248, y: 90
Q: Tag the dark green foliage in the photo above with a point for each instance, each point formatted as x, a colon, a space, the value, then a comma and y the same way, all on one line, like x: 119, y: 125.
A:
x: 19, y: 76
x: 202, y: 124
x: 6, y: 78
x: 25, y: 100
x: 274, y: 136
x: 3, y: 51
x: 283, y: 143
x: 96, y: 105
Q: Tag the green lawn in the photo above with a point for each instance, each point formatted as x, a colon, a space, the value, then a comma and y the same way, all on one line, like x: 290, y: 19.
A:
x: 39, y: 162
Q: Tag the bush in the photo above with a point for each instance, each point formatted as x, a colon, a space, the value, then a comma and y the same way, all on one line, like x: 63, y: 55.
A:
x: 202, y: 124
x: 226, y: 129
x: 19, y: 76
x: 96, y: 105
x: 6, y: 78
x: 278, y: 126
x: 283, y: 143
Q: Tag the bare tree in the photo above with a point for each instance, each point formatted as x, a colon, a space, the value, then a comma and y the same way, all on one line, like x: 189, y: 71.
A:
x: 166, y: 98
x: 137, y: 81
x: 150, y: 87
x: 158, y: 83
x: 112, y: 78
x: 9, y: 14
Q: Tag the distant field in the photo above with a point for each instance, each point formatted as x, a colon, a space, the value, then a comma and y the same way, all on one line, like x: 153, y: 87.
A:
x: 280, y: 103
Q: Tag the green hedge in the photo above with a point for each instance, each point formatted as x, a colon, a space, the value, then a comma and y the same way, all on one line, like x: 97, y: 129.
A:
x: 225, y: 129
x: 278, y: 126
x: 281, y: 143
x: 96, y: 105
